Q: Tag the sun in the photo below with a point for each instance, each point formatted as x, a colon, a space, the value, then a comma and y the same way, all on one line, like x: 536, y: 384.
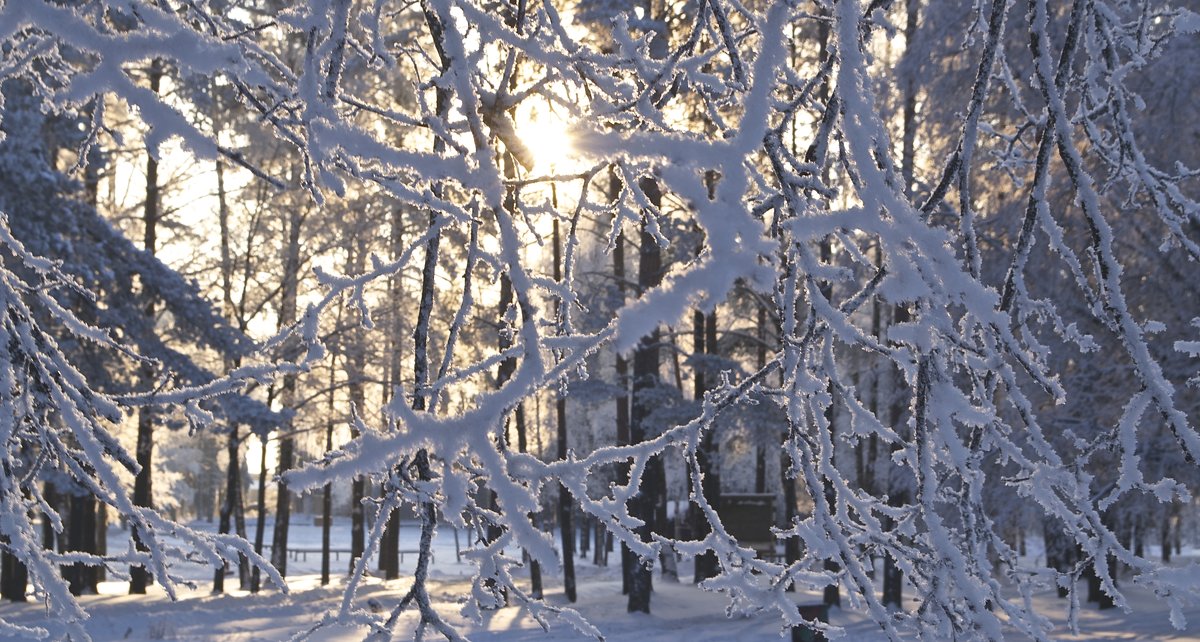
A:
x: 546, y: 133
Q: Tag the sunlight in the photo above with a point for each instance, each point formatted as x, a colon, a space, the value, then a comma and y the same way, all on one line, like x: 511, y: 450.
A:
x: 254, y: 452
x: 547, y: 135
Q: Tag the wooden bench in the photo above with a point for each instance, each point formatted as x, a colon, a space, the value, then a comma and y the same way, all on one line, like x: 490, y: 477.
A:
x: 301, y: 554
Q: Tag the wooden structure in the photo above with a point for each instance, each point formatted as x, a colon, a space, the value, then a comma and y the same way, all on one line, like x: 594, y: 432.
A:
x: 749, y: 517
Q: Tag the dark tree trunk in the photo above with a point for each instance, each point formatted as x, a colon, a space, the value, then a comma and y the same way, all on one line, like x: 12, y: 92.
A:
x: 231, y: 508
x: 81, y: 537
x: 832, y: 593
x: 101, y: 543
x: 1096, y: 591
x: 600, y: 550
x: 239, y: 520
x: 893, y: 580
x: 517, y: 420
x: 14, y: 577
x: 143, y: 492
x: 261, y: 525
x: 326, y: 519
x: 535, y: 567
x: 566, y: 503
x: 893, y: 576
x: 98, y: 536
x: 389, y: 543
x: 287, y: 397
x: 50, y: 495
x: 791, y: 546
x: 898, y: 493
x: 327, y: 495
x: 644, y: 505
x: 1060, y: 550
x: 356, y: 388
x: 622, y: 375
x: 704, y: 342
x: 760, y: 354
x: 1165, y: 535
x: 357, y: 517
x: 584, y: 526
x: 283, y: 501
x: 389, y: 548
x: 1093, y: 583
x: 232, y: 495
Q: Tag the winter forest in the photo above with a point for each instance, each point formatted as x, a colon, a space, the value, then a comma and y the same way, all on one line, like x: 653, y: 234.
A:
x: 599, y: 319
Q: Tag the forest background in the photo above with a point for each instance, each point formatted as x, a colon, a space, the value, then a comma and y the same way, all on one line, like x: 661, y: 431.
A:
x: 921, y: 272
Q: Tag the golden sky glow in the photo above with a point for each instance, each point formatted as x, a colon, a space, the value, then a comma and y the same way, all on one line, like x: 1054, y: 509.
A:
x: 546, y: 134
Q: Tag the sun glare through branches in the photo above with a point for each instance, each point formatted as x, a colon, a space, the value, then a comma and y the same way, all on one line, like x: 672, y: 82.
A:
x: 890, y: 306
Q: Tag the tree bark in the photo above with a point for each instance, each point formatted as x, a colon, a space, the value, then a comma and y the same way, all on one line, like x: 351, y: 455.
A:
x: 289, y: 291
x: 143, y: 492
x: 1060, y: 553
x: 760, y: 360
x: 14, y: 577
x: 893, y: 578
x: 622, y: 374
x: 261, y: 524
x: 566, y: 503
x: 231, y: 507
x: 1165, y: 534
x: 81, y: 537
x: 327, y: 491
x: 643, y: 506
x: 233, y: 477
x: 704, y: 342
x: 389, y: 544
x: 232, y: 495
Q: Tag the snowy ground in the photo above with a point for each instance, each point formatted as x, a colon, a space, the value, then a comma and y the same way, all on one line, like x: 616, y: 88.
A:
x: 681, y: 611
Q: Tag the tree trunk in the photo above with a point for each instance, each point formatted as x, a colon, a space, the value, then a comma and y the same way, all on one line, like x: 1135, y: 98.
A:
x: 1165, y: 534
x: 1096, y: 591
x: 644, y: 505
x: 231, y: 508
x: 232, y: 494
x: 704, y: 342
x: 893, y: 580
x: 535, y: 567
x: 289, y: 290
x: 261, y: 524
x: 585, y: 528
x: 101, y: 540
x: 832, y: 593
x: 389, y: 544
x: 81, y: 537
x: 600, y: 549
x: 50, y: 495
x: 143, y: 492
x: 566, y: 503
x: 327, y: 491
x: 1060, y: 552
x: 622, y: 375
x: 898, y: 491
x: 14, y: 577
x: 283, y: 500
x: 760, y: 354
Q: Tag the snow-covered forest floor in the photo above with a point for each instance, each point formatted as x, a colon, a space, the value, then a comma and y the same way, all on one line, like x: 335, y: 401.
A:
x: 680, y: 610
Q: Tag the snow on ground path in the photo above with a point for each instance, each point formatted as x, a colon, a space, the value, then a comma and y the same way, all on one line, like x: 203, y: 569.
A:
x: 681, y: 612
